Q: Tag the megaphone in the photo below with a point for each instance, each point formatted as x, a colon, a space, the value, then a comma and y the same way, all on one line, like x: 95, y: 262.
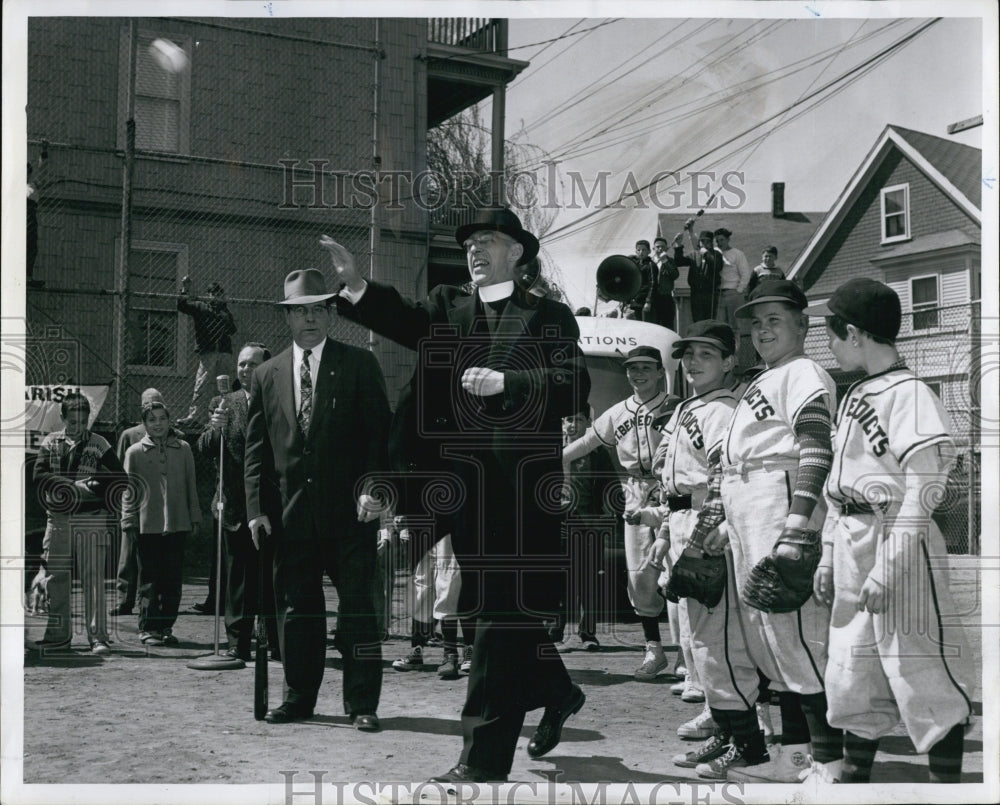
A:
x: 618, y: 278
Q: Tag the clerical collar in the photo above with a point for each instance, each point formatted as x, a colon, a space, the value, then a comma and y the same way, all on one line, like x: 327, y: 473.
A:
x: 494, y: 293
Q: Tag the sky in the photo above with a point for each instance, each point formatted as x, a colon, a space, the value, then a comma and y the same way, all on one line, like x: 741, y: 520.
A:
x: 666, y: 93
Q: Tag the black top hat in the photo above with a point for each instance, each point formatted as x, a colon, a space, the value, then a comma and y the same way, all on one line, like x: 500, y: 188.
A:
x: 774, y: 291
x: 500, y: 220
x: 865, y: 303
x: 707, y: 331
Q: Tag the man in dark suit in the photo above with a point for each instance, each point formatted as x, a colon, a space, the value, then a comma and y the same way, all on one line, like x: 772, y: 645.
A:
x: 228, y: 423
x: 317, y: 429
x: 496, y: 371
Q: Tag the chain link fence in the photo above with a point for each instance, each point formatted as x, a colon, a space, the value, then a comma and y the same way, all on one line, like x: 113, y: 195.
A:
x: 942, y: 345
x: 234, y: 166
x: 266, y: 137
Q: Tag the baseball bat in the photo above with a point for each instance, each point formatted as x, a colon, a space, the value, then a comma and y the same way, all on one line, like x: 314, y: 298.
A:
x: 260, y: 659
x: 223, y: 386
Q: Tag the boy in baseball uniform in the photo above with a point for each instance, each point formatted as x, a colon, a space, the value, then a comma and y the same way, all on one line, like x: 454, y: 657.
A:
x: 891, y: 657
x: 711, y: 636
x: 767, y: 480
x: 633, y: 428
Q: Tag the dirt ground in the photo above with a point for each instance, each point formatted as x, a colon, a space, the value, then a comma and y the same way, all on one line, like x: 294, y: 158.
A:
x: 141, y: 716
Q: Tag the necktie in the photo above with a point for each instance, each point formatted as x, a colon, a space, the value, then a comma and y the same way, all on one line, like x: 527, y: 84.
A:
x: 305, y: 392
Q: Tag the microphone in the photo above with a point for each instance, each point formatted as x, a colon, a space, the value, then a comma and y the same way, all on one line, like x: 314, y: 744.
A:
x: 223, y: 385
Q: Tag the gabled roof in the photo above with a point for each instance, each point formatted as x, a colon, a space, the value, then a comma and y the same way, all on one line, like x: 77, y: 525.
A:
x: 962, y: 164
x: 954, y: 168
x: 752, y: 231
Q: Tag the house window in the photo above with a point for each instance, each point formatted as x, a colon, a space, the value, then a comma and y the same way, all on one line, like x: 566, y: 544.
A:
x: 162, y: 99
x: 924, y: 300
x: 895, y: 213
x: 154, y: 328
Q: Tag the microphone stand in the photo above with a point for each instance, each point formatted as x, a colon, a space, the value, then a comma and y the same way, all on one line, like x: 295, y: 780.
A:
x: 216, y: 661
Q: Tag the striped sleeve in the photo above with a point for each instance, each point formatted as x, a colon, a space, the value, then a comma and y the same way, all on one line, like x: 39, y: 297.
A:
x: 712, y: 512
x: 812, y: 429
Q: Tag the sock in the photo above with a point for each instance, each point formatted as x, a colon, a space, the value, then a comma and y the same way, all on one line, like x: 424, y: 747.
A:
x: 827, y: 742
x: 468, y: 630
x: 721, y: 719
x: 945, y: 757
x: 449, y: 631
x: 859, y: 756
x: 794, y: 727
x: 420, y: 633
x: 747, y: 735
x: 763, y: 688
x: 650, y: 629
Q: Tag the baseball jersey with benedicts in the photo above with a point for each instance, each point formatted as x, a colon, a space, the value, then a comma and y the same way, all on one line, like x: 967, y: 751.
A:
x: 634, y: 429
x: 763, y: 422
x: 882, y: 421
x: 697, y: 426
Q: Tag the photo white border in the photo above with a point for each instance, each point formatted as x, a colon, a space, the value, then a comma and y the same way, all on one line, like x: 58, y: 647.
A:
x: 14, y: 56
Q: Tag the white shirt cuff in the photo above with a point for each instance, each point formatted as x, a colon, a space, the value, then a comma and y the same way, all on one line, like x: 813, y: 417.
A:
x: 353, y: 296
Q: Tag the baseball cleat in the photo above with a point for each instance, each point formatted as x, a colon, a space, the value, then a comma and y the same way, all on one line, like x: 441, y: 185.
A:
x: 822, y: 773
x: 653, y: 662
x: 787, y: 764
x: 701, y: 726
x: 708, y: 750
x: 691, y: 693
x: 732, y: 759
x: 413, y: 660
x: 449, y: 668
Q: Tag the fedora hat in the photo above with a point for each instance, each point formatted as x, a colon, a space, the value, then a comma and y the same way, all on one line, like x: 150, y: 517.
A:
x: 305, y: 287
x: 500, y: 220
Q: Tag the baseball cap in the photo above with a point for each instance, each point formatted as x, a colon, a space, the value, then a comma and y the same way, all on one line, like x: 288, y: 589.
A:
x: 865, y: 303
x: 774, y: 291
x: 708, y: 331
x: 643, y: 354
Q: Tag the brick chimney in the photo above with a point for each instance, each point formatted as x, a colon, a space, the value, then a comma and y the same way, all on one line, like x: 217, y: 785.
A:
x: 777, y: 199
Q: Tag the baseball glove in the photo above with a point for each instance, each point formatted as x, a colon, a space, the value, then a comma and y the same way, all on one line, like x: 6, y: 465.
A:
x: 783, y: 581
x: 698, y: 576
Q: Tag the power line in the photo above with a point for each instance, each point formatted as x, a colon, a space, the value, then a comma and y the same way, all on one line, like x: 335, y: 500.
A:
x: 569, y: 102
x: 853, y: 74
x: 812, y: 83
x: 566, y: 35
x: 615, y: 118
x: 714, y: 99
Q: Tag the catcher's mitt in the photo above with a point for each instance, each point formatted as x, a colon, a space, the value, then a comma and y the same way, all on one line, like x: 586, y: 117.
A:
x: 783, y: 581
x: 698, y: 576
